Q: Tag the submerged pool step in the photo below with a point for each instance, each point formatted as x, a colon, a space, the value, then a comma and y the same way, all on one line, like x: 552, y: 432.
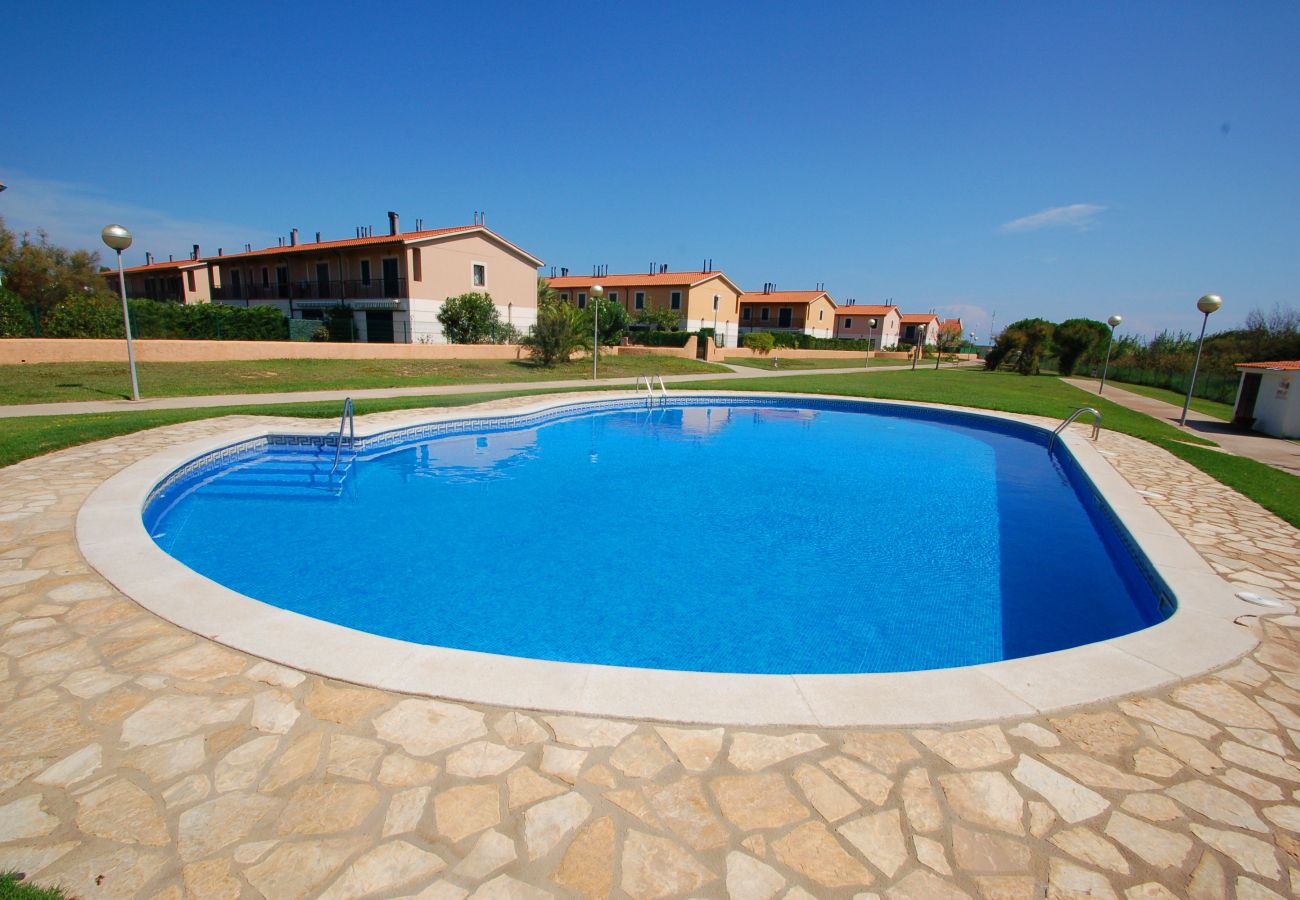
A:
x: 282, y: 476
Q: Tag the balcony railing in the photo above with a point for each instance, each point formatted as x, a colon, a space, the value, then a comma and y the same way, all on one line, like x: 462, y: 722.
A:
x: 771, y: 325
x: 342, y: 289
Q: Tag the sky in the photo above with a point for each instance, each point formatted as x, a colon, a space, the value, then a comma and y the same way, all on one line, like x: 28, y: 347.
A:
x: 989, y: 161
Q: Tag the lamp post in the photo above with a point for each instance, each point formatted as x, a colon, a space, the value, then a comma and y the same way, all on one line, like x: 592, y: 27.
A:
x: 118, y: 238
x: 871, y: 339
x: 920, y: 345
x: 596, y: 293
x: 1207, y: 304
x: 1113, y: 322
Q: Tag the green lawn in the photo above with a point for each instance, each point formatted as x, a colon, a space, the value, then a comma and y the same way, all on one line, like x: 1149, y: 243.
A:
x: 53, y: 382
x: 1209, y: 407
x: 770, y: 362
x: 11, y: 889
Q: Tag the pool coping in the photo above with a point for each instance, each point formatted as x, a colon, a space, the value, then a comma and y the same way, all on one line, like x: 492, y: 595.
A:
x: 1200, y: 636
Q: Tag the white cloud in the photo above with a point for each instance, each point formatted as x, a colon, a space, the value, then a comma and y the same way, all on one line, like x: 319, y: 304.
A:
x: 1078, y: 216
x: 72, y: 214
x: 974, y: 318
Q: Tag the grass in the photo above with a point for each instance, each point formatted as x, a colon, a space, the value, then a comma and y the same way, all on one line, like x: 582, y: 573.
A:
x: 1213, y: 408
x: 769, y: 363
x: 23, y: 437
x: 54, y: 382
x: 12, y: 889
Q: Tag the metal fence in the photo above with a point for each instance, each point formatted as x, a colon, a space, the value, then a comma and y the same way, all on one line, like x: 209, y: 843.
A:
x: 1221, y: 388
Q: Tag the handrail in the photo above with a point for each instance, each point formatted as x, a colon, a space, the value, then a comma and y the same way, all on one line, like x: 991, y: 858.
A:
x: 663, y: 388
x: 1096, y: 424
x: 352, y: 434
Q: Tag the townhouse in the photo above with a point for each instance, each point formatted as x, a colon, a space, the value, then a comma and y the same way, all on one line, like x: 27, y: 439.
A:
x: 880, y: 324
x: 807, y: 312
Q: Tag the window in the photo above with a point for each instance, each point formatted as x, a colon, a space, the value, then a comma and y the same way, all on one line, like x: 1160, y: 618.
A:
x: 744, y: 313
x: 763, y: 313
x: 613, y: 295
x: 266, y: 277
x: 480, y: 274
x: 582, y: 300
x: 417, y: 267
x: 189, y: 278
x: 640, y: 300
x: 716, y: 301
x: 675, y: 299
x: 564, y: 295
x: 365, y: 273
x: 848, y: 323
x: 821, y: 314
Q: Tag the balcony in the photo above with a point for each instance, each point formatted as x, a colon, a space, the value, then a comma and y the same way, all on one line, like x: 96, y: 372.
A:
x: 747, y: 325
x: 343, y: 289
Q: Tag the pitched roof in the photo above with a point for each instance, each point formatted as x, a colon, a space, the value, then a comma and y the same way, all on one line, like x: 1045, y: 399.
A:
x: 404, y: 237
x: 159, y: 266
x: 918, y: 318
x: 784, y: 297
x: 1286, y: 365
x: 666, y: 279
x: 855, y: 310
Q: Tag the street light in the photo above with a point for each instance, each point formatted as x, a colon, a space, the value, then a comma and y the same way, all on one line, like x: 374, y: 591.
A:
x: 596, y: 293
x: 1113, y: 322
x: 920, y: 345
x: 1207, y: 304
x: 871, y: 340
x: 118, y: 238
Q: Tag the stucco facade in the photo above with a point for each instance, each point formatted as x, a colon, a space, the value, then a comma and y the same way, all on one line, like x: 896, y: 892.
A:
x: 855, y: 322
x: 701, y: 299
x: 912, y: 325
x: 806, y: 312
x: 1270, y: 392
x: 179, y: 281
x: 393, y: 284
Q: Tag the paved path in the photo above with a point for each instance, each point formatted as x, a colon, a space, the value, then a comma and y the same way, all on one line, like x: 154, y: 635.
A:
x: 103, y: 406
x: 141, y: 760
x: 1277, y: 452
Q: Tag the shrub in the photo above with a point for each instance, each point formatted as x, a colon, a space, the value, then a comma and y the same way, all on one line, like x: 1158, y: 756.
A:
x: 1078, y: 339
x: 84, y: 316
x: 558, y: 333
x: 659, y: 319
x: 16, y: 319
x: 760, y: 341
x: 613, y: 320
x: 469, y: 319
x: 660, y: 338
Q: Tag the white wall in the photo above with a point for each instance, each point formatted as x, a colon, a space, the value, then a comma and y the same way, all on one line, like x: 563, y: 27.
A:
x: 1277, y: 410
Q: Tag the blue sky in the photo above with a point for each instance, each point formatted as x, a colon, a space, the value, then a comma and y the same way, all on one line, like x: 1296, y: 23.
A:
x: 1040, y: 159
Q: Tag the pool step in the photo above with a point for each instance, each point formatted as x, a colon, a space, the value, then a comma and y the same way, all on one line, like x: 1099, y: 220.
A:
x: 281, y: 475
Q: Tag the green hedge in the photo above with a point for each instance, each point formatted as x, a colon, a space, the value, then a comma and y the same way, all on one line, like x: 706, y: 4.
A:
x: 100, y: 317
x: 660, y: 338
x: 793, y: 340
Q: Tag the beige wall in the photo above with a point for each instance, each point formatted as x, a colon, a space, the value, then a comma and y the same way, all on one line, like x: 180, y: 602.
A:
x: 885, y: 332
x: 447, y: 271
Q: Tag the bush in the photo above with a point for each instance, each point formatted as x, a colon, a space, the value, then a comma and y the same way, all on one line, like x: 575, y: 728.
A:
x: 1078, y: 340
x: 658, y: 319
x: 613, y: 321
x: 759, y: 341
x: 469, y: 319
x: 558, y: 333
x: 16, y: 319
x: 88, y: 316
x: 660, y: 338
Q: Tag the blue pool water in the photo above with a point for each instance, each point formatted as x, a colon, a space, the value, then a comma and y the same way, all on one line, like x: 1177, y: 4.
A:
x: 725, y: 538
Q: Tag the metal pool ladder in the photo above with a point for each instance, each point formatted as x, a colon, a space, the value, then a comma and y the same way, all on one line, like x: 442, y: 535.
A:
x: 650, y: 388
x: 338, y: 436
x: 1096, y: 424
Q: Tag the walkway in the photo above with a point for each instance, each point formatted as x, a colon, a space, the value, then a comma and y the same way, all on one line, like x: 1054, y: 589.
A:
x: 141, y: 760
x: 1277, y: 452
x: 110, y: 406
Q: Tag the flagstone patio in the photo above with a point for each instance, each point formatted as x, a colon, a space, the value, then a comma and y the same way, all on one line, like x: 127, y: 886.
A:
x: 141, y: 760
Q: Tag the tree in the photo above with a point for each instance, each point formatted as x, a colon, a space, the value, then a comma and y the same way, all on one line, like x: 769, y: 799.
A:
x: 1076, y: 340
x: 470, y: 319
x: 1038, y: 336
x: 657, y: 319
x: 612, y: 323
x: 947, y: 339
x: 545, y: 292
x: 44, y: 274
x: 558, y: 333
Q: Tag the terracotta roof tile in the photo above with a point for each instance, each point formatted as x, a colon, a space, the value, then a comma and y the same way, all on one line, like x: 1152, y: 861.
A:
x: 783, y: 296
x: 664, y: 278
x: 919, y: 318
x: 1286, y: 365
x: 159, y: 266
x: 859, y: 310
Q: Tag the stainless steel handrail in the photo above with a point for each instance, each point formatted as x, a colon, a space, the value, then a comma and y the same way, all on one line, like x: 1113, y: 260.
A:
x: 352, y: 434
x: 1096, y: 424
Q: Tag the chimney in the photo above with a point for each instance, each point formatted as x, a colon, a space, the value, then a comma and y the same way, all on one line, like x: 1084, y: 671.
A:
x: 221, y: 251
x: 148, y: 258
x: 392, y: 222
x: 293, y: 237
x: 196, y: 252
x: 318, y: 237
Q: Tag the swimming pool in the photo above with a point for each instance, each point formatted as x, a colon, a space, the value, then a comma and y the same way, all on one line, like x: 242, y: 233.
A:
x: 715, y: 534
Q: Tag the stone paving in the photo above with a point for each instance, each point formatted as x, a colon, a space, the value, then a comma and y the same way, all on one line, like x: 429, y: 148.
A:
x: 140, y: 760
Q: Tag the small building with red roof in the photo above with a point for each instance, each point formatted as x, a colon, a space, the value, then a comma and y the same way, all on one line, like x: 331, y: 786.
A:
x: 175, y: 281
x: 702, y: 299
x: 1268, y: 398
x: 806, y: 312
x: 879, y: 324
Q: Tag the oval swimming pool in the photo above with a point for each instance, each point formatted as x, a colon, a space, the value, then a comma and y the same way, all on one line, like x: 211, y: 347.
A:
x: 737, y: 535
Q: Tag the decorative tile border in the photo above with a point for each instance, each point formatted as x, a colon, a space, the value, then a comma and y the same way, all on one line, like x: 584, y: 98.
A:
x: 1199, y: 636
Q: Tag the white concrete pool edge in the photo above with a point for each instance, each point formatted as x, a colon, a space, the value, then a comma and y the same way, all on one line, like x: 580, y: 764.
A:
x: 1199, y: 637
